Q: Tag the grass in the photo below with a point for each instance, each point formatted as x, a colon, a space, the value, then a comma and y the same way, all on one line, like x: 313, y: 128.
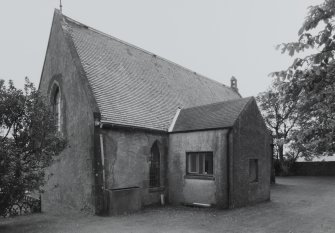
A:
x: 298, y: 204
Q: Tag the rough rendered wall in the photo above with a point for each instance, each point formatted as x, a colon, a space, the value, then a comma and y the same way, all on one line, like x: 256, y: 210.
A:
x: 186, y: 190
x: 251, y: 140
x: 127, y: 161
x: 70, y: 178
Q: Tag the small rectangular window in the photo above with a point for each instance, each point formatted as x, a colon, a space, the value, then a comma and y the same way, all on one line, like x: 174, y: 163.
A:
x: 199, y: 163
x: 253, y: 170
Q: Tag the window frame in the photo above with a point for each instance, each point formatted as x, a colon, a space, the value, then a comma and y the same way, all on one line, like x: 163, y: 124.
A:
x: 56, y: 105
x: 197, y: 175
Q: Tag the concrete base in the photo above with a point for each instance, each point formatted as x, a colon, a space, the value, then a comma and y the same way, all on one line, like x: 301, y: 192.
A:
x: 124, y: 200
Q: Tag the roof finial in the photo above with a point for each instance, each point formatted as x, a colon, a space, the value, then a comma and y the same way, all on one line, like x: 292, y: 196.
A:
x: 60, y: 6
x: 233, y: 83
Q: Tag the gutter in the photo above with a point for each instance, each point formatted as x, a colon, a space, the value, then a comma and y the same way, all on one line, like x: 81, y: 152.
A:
x: 198, y: 130
x: 107, y: 124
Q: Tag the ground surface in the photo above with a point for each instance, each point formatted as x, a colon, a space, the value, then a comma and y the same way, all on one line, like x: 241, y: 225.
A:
x: 298, y: 204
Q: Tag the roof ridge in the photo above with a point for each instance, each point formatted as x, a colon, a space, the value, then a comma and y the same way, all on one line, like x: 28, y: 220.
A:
x: 143, y: 50
x: 216, y: 103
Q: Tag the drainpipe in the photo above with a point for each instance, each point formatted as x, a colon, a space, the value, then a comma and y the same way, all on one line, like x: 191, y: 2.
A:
x: 102, y: 158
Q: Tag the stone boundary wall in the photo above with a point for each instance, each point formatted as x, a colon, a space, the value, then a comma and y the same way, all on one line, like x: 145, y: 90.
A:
x: 314, y: 168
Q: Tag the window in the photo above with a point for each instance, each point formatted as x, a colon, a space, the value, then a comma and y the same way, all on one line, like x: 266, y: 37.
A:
x: 199, y: 163
x: 253, y: 170
x: 56, y: 106
x: 154, y: 173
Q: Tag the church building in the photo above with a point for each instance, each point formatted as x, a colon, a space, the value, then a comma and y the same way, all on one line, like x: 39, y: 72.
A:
x: 142, y: 130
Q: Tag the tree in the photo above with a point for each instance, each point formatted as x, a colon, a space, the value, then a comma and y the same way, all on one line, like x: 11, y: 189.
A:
x: 28, y: 142
x: 311, y: 79
x: 280, y: 114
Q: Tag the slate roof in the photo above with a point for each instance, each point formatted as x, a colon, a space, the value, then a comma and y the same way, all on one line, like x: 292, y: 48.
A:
x: 211, y: 116
x: 136, y: 88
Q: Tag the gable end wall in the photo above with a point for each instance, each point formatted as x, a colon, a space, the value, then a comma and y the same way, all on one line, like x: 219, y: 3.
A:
x: 70, y: 179
x: 251, y: 140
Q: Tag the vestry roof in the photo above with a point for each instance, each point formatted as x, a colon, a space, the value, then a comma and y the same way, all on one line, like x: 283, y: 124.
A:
x: 211, y: 116
x: 136, y: 88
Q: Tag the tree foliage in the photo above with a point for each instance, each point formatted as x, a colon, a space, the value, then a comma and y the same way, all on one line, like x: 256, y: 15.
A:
x: 28, y: 142
x: 282, y: 118
x: 311, y: 79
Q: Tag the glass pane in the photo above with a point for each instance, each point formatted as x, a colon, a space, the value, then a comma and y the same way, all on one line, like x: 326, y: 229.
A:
x: 192, y: 162
x: 154, y: 173
x: 56, y: 108
x: 209, y: 164
x: 201, y: 163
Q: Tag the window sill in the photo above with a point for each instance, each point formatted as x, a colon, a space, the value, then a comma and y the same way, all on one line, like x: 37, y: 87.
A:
x: 199, y: 177
x: 156, y: 189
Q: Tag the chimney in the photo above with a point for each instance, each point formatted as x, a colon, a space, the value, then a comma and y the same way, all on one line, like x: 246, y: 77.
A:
x: 233, y: 84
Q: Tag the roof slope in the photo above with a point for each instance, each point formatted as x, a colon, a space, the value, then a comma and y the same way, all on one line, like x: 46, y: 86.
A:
x: 211, y: 116
x: 135, y: 88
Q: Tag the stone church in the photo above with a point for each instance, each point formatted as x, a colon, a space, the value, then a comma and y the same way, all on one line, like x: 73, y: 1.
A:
x: 142, y: 130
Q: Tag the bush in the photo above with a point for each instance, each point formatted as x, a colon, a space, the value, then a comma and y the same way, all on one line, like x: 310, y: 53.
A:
x: 28, y: 142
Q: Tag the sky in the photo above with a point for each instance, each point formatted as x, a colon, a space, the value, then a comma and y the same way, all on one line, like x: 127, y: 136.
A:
x: 216, y: 38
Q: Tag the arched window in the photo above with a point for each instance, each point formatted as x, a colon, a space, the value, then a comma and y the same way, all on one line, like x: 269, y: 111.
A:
x: 154, y: 173
x: 56, y: 103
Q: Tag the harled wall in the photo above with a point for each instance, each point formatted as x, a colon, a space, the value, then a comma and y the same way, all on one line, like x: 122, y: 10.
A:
x: 70, y: 179
x: 127, y: 161
x: 250, y: 140
x: 185, y: 190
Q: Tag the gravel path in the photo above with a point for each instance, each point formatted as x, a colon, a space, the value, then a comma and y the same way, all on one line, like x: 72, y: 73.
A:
x: 298, y: 204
